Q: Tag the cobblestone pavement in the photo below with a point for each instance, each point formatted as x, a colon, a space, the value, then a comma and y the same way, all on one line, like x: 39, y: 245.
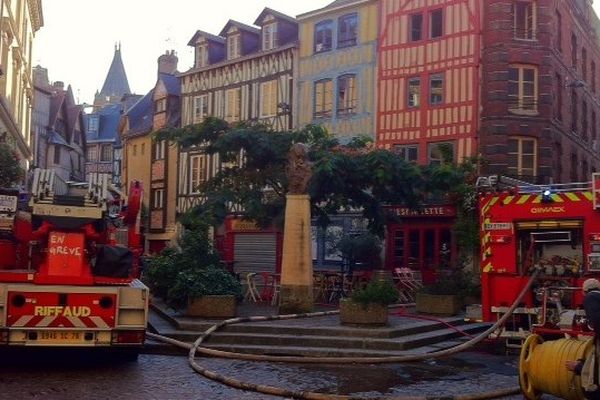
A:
x: 170, y: 377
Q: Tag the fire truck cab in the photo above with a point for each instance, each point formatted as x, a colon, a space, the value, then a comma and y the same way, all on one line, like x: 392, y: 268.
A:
x: 551, y: 228
x: 68, y: 266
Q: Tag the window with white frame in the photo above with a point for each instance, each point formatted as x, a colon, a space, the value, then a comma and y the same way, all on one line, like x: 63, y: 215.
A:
x: 524, y: 16
x: 323, y: 98
x: 408, y: 152
x: 197, y: 172
x: 440, y: 153
x: 269, y: 36
x: 347, y: 94
x: 522, y: 87
x: 159, y: 149
x: 414, y: 92
x: 233, y: 46
x: 202, y: 55
x: 268, y: 98
x: 232, y: 105
x: 522, y: 154
x: 161, y: 105
x: 200, y: 108
x: 348, y: 30
x: 436, y: 89
x: 323, y: 36
x: 158, y: 200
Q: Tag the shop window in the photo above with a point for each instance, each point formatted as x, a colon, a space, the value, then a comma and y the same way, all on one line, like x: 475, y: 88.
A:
x: 347, y: 94
x: 348, y: 30
x: 409, y: 153
x: 414, y: 92
x: 524, y: 14
x: 441, y: 153
x: 522, y: 88
x: 399, y: 248
x: 522, y: 157
x: 200, y: 108
x: 436, y: 89
x: 323, y: 98
x: 416, y: 27
x: 436, y: 24
x: 268, y: 100
x: 323, y: 36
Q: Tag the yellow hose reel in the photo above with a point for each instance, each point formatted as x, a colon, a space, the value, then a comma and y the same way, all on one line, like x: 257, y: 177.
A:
x: 542, y: 367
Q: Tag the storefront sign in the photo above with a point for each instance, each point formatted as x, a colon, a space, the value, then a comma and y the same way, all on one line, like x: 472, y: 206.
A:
x: 428, y: 211
x: 240, y: 225
x: 498, y: 226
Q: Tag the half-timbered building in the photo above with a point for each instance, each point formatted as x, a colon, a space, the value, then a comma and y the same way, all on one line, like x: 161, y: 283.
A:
x: 427, y: 99
x: 243, y: 74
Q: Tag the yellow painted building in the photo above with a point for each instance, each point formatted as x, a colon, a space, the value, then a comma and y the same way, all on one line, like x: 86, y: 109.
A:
x: 337, y: 68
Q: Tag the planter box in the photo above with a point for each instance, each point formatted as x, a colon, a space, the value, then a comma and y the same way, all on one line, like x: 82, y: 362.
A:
x: 212, y: 306
x: 352, y: 313
x: 438, y: 304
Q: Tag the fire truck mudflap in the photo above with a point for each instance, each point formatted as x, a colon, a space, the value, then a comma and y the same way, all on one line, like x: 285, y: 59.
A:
x: 66, y: 315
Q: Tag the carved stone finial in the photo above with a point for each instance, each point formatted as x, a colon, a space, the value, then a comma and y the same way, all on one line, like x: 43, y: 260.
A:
x: 299, y: 169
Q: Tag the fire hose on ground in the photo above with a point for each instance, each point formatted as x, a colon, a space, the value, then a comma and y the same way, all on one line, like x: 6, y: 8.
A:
x: 265, y: 389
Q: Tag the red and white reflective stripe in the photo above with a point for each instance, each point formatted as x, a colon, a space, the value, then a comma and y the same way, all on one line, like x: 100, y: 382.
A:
x: 59, y: 321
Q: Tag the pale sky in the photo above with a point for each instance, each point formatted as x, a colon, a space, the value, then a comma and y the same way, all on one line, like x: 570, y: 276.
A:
x: 76, y: 43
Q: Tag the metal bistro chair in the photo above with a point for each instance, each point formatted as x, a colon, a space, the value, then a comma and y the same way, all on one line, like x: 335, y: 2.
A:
x: 252, y: 292
x: 407, y: 282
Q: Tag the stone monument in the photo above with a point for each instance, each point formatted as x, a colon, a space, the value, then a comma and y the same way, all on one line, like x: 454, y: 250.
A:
x: 296, y: 268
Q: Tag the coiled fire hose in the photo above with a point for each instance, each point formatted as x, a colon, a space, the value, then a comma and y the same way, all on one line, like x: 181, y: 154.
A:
x: 196, y: 348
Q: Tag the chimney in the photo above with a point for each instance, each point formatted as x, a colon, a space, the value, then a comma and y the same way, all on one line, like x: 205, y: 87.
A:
x: 167, y: 63
x: 60, y: 85
x: 40, y: 76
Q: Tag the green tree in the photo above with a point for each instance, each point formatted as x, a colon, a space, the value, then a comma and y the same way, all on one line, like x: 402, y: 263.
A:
x: 352, y: 176
x: 11, y: 172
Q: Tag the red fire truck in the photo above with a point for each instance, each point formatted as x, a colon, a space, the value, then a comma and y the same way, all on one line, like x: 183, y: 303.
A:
x: 551, y: 228
x: 69, y: 265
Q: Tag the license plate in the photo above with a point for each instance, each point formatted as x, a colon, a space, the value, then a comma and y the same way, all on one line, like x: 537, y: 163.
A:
x: 8, y: 203
x: 57, y: 337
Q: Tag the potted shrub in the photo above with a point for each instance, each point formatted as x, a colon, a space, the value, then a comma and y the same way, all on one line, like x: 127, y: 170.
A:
x: 447, y: 295
x: 361, y: 251
x: 368, y: 306
x: 192, y: 271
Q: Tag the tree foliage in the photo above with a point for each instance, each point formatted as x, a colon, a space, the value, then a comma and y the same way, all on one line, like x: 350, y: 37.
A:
x: 11, y: 172
x: 354, y: 176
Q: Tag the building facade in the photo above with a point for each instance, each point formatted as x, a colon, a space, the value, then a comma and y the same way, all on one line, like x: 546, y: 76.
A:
x: 336, y: 68
x: 540, y: 102
x: 244, y: 74
x: 154, y: 163
x: 21, y: 19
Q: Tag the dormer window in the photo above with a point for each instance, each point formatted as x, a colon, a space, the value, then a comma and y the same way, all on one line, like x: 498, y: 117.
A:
x: 202, y: 55
x: 269, y: 36
x: 93, y: 122
x: 233, y: 46
x: 161, y: 105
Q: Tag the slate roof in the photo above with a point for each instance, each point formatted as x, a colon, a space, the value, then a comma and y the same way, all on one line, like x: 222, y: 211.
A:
x: 108, y: 124
x: 276, y: 14
x: 207, y: 35
x: 240, y: 26
x: 116, y: 83
x: 172, y: 84
x: 140, y: 115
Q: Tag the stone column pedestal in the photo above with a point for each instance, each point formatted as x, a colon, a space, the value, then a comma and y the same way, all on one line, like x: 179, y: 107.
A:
x: 296, y: 294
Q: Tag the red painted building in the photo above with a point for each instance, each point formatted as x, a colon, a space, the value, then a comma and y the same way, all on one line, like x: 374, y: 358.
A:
x: 428, y: 95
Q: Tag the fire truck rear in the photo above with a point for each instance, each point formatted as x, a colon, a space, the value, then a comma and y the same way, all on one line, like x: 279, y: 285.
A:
x: 554, y: 229
x: 69, y: 266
